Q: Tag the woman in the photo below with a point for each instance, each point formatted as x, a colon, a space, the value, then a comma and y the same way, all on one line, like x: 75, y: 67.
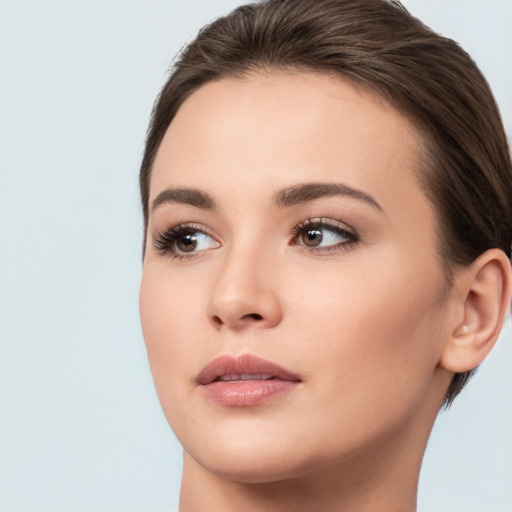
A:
x: 327, y: 194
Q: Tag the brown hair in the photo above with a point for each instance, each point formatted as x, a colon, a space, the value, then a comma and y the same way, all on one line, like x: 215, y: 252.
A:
x: 379, y: 45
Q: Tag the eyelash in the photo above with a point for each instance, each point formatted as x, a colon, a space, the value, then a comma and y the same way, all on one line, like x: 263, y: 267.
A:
x: 331, y: 225
x: 165, y: 241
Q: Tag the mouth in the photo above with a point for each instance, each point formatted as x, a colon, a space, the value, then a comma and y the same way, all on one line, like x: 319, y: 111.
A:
x: 245, y: 380
x: 234, y: 377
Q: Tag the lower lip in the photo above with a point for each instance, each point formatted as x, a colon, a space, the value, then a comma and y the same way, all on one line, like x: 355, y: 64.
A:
x: 246, y: 393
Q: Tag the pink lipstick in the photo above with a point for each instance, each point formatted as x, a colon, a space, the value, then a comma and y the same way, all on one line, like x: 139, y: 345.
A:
x: 245, y: 380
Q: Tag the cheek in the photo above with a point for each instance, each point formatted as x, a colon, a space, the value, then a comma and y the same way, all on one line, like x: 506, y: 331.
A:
x: 374, y: 333
x: 170, y: 317
x: 170, y: 308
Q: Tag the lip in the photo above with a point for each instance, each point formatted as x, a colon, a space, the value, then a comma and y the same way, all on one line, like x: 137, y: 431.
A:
x: 245, y: 380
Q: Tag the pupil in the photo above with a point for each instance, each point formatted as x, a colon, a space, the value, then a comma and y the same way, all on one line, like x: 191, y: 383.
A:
x: 312, y: 237
x: 187, y: 243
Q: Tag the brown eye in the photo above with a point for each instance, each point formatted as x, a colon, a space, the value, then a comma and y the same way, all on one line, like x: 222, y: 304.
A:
x: 184, y: 241
x: 187, y: 243
x: 324, y: 235
x: 312, y: 237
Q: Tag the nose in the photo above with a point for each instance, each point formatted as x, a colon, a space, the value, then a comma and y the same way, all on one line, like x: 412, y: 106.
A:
x: 245, y: 293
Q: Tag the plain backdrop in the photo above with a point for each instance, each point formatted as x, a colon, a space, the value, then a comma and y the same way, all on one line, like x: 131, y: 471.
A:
x: 80, y: 426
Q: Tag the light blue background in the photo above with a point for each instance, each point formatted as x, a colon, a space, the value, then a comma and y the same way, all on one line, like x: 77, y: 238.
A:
x: 80, y: 425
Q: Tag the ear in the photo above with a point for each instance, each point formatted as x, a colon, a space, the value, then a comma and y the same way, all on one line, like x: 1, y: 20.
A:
x: 485, y: 289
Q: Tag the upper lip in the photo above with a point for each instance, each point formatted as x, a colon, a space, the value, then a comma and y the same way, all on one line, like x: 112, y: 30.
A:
x: 243, y: 364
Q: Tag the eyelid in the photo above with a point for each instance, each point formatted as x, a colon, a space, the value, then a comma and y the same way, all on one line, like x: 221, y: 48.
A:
x: 324, y: 222
x: 164, y: 239
x: 181, y: 226
x: 350, y: 234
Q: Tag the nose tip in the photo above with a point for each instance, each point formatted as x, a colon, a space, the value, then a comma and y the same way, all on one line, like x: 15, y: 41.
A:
x: 234, y: 315
x: 241, y: 300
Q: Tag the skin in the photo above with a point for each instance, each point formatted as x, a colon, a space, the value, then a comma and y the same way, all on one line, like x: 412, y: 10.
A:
x: 365, y: 323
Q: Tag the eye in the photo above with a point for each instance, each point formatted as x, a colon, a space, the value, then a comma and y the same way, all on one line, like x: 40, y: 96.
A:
x: 185, y: 240
x: 324, y: 234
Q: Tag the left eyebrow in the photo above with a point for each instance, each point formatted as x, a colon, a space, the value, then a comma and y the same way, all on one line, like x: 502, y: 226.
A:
x: 302, y: 193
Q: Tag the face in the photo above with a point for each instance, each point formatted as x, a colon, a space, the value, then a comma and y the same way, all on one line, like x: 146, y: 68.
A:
x: 292, y: 301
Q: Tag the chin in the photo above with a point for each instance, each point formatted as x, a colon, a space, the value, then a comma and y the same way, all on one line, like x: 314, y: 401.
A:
x: 255, y: 466
x: 259, y: 456
x: 255, y: 457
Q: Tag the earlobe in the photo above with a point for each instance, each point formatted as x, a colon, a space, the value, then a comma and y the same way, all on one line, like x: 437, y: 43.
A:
x: 485, y: 288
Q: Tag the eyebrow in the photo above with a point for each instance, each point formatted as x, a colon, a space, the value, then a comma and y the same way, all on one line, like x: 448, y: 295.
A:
x: 290, y: 196
x: 190, y: 196
x: 302, y: 193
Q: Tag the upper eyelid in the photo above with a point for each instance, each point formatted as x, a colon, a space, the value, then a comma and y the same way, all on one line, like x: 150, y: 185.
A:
x: 163, y: 240
x: 323, y: 222
x: 199, y: 227
x: 182, y: 226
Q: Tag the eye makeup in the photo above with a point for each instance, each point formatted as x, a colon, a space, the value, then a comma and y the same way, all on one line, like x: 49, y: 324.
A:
x: 184, y: 241
x: 324, y: 236
x: 318, y: 235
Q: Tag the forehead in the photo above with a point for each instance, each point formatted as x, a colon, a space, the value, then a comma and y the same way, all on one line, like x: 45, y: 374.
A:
x: 272, y: 130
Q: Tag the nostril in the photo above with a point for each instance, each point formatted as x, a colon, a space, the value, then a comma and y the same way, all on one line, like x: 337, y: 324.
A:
x: 217, y: 320
x: 252, y: 316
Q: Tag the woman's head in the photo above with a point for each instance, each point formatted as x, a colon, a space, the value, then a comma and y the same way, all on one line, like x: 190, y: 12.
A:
x: 381, y: 143
x: 287, y: 224
x: 464, y: 164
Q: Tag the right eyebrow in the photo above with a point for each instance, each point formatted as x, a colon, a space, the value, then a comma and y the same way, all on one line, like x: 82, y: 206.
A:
x: 190, y: 196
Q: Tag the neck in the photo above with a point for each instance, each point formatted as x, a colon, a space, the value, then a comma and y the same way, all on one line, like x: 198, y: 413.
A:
x: 328, y: 491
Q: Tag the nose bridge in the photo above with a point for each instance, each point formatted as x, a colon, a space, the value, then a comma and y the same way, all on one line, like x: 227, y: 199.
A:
x: 244, y: 293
